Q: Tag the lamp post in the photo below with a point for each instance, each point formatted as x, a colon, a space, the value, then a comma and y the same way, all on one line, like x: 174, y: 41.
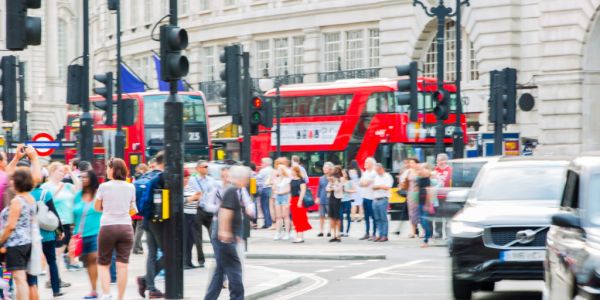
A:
x: 441, y: 12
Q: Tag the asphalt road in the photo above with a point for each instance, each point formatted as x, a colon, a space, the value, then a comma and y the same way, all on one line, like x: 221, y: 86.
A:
x: 408, y: 273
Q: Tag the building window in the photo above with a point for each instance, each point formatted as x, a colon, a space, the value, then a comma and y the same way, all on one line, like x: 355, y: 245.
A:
x: 354, y: 49
x: 262, y: 57
x: 148, y: 11
x: 298, y: 55
x: 332, y: 51
x: 62, y: 48
x: 281, y: 55
x: 469, y: 64
x: 209, y: 63
x: 373, y: 48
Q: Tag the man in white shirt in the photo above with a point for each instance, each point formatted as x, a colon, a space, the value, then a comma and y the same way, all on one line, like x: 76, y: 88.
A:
x: 366, y: 184
x: 382, y: 183
x: 264, y: 184
x: 204, y: 184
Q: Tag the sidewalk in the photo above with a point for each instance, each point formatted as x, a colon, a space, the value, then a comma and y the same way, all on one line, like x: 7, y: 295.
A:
x: 258, y: 281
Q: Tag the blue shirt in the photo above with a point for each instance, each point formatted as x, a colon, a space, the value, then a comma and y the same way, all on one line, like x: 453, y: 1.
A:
x: 36, y: 193
x: 205, y: 185
x: 322, y: 191
x: 92, y: 217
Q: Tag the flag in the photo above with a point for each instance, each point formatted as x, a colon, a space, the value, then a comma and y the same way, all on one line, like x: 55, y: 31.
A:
x: 163, y: 85
x: 130, y: 83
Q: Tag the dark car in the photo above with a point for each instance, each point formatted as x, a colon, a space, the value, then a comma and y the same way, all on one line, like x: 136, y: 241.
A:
x: 501, y: 232
x: 573, y: 255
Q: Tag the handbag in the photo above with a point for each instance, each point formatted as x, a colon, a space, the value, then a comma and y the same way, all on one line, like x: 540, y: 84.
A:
x: 76, y: 243
x: 47, y: 220
x: 308, y: 200
x: 34, y: 265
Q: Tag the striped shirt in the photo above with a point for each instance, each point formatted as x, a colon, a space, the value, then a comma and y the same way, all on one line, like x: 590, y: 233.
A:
x: 189, y: 207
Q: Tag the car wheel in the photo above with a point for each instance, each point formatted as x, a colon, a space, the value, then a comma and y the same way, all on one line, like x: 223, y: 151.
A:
x: 487, y: 286
x: 462, y: 289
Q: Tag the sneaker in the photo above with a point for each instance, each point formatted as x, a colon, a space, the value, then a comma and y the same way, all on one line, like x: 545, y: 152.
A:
x: 320, y: 234
x: 344, y: 235
x: 286, y: 237
x: 333, y: 240
x: 141, y: 282
x: 276, y: 237
x: 329, y: 234
x: 366, y: 237
x: 73, y: 267
x: 92, y: 295
x: 155, y: 294
x: 106, y: 297
x: 58, y: 295
x: 62, y: 284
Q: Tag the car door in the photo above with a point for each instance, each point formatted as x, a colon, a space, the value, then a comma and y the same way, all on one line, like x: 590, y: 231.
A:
x: 565, y: 246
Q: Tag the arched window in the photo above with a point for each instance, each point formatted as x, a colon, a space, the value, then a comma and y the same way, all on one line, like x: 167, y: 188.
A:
x: 469, y: 63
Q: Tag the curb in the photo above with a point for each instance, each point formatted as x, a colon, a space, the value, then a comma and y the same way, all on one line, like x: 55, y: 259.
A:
x: 283, y: 279
x: 311, y: 256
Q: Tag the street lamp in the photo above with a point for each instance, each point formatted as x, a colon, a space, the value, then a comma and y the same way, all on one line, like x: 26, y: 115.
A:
x: 441, y: 12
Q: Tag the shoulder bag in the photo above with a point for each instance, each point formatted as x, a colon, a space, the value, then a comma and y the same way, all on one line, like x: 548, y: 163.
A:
x: 46, y: 219
x: 76, y: 243
x: 308, y: 199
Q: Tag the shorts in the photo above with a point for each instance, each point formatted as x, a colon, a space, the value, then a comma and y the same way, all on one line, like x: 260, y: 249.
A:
x: 282, y: 199
x: 67, y: 229
x: 335, y: 208
x: 118, y: 238
x: 90, y: 244
x: 323, y: 210
x: 358, y: 201
x: 32, y: 280
x: 17, y: 257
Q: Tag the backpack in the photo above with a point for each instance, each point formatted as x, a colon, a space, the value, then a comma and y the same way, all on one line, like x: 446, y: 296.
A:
x: 143, y: 192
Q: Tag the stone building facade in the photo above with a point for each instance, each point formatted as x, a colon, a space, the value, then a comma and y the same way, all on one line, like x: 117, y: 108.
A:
x: 552, y: 43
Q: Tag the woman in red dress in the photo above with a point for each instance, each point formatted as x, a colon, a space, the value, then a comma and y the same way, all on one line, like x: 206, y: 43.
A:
x: 299, y: 212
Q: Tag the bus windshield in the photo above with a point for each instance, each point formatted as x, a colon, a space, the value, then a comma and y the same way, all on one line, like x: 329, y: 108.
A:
x: 193, y: 109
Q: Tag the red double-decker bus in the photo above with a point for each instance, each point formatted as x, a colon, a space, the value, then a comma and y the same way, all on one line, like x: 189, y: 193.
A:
x: 354, y: 119
x: 145, y: 137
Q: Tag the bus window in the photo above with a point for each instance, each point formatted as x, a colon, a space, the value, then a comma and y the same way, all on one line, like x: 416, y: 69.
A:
x: 302, y: 106
x: 392, y: 155
x: 380, y: 103
x: 287, y: 107
x: 154, y: 109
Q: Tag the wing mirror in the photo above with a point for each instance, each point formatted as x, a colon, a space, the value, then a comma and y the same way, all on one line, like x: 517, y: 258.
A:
x: 566, y: 220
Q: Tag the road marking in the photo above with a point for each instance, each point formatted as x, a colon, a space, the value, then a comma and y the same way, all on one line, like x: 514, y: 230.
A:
x: 319, y: 282
x: 385, y: 269
x: 324, y: 271
x: 357, y: 264
x: 341, y: 267
x: 373, y: 260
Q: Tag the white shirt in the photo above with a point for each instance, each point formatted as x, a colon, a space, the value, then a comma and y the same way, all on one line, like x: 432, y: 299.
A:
x: 263, y: 179
x: 367, y: 191
x: 118, y: 197
x: 382, y: 180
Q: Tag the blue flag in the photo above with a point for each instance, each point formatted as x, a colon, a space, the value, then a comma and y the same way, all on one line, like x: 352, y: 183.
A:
x: 130, y: 83
x: 163, y: 85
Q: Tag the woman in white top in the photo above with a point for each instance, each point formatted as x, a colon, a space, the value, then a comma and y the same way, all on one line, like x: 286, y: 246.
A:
x: 281, y: 193
x: 116, y: 200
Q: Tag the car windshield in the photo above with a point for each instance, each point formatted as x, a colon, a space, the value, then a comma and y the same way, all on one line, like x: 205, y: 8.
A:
x: 464, y: 173
x: 594, y: 196
x: 521, y: 183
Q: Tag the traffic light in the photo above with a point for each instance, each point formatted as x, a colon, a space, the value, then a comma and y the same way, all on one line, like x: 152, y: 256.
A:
x: 408, y: 93
x: 128, y: 107
x: 231, y: 74
x: 74, y: 84
x: 442, y: 104
x: 8, y: 87
x: 503, y: 88
x: 173, y: 65
x: 106, y: 91
x: 22, y: 30
x: 261, y: 113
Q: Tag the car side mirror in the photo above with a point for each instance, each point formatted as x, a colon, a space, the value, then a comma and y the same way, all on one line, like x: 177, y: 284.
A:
x: 566, y: 220
x: 458, y: 196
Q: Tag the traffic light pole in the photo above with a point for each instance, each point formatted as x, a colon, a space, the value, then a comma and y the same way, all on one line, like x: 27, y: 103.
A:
x: 496, y: 100
x: 458, y: 134
x: 247, y: 95
x: 86, y: 146
x: 173, y: 176
x: 22, y: 112
x: 119, y: 135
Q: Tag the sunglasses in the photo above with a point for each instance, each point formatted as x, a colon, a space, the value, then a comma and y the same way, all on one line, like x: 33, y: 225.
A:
x: 203, y: 167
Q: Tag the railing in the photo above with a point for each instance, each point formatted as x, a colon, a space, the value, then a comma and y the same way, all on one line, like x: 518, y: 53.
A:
x: 348, y: 74
x: 211, y: 90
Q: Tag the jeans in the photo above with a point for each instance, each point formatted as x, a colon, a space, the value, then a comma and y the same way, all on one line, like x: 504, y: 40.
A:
x: 425, y: 222
x: 380, y: 213
x: 153, y: 264
x: 265, y: 196
x: 203, y: 218
x: 229, y: 264
x: 137, y: 240
x: 49, y: 249
x: 368, y: 208
x: 346, y: 210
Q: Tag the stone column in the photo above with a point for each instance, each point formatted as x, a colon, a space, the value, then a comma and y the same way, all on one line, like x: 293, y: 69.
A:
x: 312, y: 53
x: 51, y: 41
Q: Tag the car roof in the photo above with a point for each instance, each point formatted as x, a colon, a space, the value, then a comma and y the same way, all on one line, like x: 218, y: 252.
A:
x: 474, y: 159
x: 534, y: 158
x: 530, y: 161
x: 586, y: 161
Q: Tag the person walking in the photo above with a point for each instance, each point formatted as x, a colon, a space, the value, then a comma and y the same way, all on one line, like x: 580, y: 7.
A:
x: 191, y: 198
x: 299, y: 212
x: 87, y: 224
x: 115, y: 199
x: 366, y: 184
x: 227, y: 237
x: 424, y: 183
x: 357, y: 205
x: 382, y: 184
x: 412, y: 195
x: 281, y: 191
x: 63, y: 195
x: 335, y: 189
x: 347, y: 199
x: 265, y: 184
x: 16, y: 237
x: 323, y: 198
x: 204, y: 184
